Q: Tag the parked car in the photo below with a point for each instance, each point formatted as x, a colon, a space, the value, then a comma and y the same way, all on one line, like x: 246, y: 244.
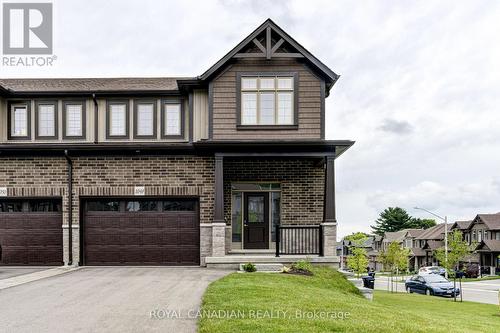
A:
x: 432, y: 270
x: 431, y: 284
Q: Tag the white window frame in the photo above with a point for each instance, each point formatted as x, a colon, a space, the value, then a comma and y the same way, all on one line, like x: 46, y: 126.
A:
x: 259, y: 90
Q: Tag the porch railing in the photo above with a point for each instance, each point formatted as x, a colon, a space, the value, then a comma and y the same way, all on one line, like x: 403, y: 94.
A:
x: 299, y: 239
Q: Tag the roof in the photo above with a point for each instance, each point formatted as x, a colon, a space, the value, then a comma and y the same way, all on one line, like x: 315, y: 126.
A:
x: 90, y: 85
x: 417, y: 252
x: 414, y: 232
x: 461, y: 225
x: 434, y: 244
x: 394, y: 236
x: 489, y: 245
x: 492, y: 221
x: 330, y: 75
x: 401, y: 234
x: 436, y: 232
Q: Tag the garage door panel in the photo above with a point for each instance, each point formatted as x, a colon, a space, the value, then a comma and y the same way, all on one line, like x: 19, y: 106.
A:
x: 141, y: 237
x: 31, y: 237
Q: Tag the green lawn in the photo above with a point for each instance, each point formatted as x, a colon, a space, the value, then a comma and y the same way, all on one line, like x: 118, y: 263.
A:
x: 328, y: 292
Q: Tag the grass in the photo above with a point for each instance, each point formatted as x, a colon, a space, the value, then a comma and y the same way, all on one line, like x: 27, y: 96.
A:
x: 328, y: 291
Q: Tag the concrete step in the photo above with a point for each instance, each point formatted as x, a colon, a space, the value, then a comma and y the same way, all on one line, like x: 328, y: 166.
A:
x: 266, y: 267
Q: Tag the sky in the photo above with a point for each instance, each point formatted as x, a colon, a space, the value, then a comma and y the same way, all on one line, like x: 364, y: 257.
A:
x: 419, y: 90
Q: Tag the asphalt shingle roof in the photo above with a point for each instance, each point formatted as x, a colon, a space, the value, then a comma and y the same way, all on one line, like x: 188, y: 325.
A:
x: 91, y: 84
x: 492, y: 221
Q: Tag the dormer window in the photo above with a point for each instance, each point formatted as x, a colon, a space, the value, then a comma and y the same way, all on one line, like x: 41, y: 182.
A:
x: 267, y: 99
x: 19, y: 121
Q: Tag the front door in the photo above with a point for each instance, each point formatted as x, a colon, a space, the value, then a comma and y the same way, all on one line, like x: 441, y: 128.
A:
x: 256, y: 221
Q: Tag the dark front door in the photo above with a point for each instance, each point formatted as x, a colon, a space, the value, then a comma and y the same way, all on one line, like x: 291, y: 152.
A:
x: 256, y: 221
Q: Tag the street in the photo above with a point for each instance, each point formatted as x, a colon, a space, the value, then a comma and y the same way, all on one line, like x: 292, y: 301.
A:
x: 476, y: 291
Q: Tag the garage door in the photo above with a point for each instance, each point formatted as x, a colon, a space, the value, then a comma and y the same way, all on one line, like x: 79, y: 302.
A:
x: 141, y: 232
x: 31, y: 232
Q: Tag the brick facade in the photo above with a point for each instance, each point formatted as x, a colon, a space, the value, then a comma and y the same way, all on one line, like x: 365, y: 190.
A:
x: 302, y: 185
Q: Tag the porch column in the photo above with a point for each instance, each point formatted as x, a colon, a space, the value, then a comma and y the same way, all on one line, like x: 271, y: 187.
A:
x: 329, y: 219
x: 218, y: 225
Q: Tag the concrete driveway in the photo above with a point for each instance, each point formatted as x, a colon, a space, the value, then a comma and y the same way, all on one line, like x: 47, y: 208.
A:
x: 108, y: 299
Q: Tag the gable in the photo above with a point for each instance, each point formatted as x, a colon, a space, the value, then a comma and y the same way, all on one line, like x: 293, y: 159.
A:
x: 269, y: 42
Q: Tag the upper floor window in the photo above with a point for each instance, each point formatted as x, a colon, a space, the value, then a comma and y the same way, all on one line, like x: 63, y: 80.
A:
x: 172, y: 120
x: 145, y: 119
x: 46, y: 120
x: 117, y: 119
x: 19, y: 121
x: 74, y: 120
x: 267, y: 100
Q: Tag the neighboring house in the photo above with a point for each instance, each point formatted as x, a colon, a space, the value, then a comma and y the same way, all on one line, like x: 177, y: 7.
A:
x: 407, y: 238
x: 372, y: 245
x: 484, y: 231
x: 429, y: 241
x: 173, y: 171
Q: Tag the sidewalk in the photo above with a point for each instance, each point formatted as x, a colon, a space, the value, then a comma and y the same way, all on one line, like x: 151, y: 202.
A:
x: 38, y: 275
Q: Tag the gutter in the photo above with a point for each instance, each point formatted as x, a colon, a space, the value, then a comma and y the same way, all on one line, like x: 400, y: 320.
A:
x: 70, y: 207
x: 96, y: 119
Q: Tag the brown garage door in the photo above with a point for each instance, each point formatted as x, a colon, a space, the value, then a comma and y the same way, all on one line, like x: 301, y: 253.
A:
x: 141, y: 232
x: 31, y: 232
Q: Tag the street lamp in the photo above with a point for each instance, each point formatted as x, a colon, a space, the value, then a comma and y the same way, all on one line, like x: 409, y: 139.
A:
x: 445, y: 219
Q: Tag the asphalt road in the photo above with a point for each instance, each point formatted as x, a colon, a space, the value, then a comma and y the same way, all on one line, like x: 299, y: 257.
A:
x: 108, y: 299
x: 479, y: 291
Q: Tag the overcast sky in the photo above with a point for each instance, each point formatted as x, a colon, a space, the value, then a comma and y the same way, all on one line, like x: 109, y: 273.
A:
x: 419, y: 90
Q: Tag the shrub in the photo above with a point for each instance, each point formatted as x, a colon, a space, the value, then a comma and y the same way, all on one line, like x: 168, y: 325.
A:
x: 249, y: 267
x: 301, y: 267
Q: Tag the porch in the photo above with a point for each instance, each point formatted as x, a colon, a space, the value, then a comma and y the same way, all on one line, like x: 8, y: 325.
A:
x: 274, y: 207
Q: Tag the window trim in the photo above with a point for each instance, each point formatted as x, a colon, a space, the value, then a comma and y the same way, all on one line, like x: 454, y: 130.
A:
x: 110, y: 102
x: 84, y: 119
x: 294, y: 126
x: 163, y: 115
x: 137, y: 102
x: 12, y: 104
x: 54, y: 103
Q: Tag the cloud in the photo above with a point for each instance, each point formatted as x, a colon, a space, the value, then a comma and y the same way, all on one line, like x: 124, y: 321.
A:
x: 396, y: 127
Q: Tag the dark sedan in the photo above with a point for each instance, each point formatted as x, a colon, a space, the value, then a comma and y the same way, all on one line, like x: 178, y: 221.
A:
x: 431, y: 284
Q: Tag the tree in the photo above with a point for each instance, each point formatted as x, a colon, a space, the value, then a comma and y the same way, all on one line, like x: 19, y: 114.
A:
x: 417, y: 223
x: 358, y: 260
x: 394, y: 259
x: 356, y: 236
x: 391, y: 219
x: 458, y: 250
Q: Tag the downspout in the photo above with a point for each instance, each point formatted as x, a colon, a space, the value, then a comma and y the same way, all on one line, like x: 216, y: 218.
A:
x: 70, y: 207
x: 96, y: 119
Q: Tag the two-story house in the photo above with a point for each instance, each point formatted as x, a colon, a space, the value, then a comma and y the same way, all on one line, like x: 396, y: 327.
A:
x: 484, y: 233
x: 211, y: 170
